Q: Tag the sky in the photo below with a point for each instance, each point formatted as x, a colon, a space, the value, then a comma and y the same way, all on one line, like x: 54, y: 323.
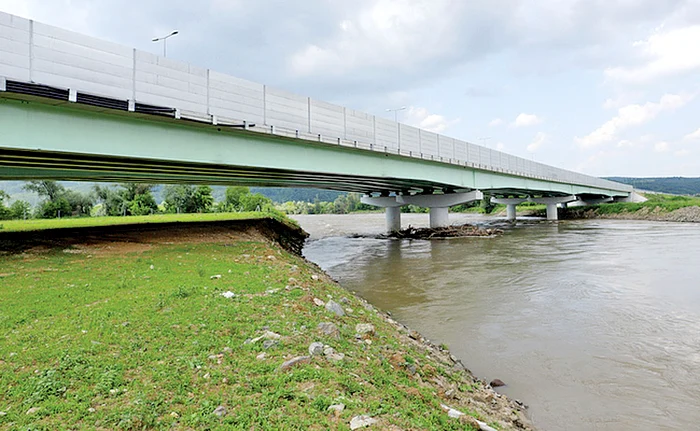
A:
x: 603, y: 87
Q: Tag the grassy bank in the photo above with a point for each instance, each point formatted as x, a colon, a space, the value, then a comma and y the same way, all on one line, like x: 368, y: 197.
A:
x: 77, y: 222
x: 135, y: 334
x: 658, y: 207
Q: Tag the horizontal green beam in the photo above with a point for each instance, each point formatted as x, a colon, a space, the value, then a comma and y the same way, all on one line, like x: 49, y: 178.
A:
x: 65, y: 142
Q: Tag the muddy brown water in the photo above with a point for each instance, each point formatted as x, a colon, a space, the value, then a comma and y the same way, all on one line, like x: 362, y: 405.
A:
x: 595, y: 324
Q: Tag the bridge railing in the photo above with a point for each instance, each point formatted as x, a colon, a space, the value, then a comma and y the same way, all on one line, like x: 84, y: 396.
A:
x: 39, y: 53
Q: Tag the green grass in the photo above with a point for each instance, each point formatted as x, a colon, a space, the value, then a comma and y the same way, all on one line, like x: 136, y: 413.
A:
x: 42, y: 224
x: 123, y: 340
x: 665, y: 203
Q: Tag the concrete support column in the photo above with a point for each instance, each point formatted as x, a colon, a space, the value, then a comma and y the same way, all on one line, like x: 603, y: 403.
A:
x: 510, y: 212
x: 393, y: 210
x: 393, y: 219
x: 440, y: 204
x: 439, y: 217
x: 510, y: 204
x: 552, y: 203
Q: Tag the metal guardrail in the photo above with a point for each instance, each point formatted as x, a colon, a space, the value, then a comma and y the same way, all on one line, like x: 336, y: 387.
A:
x: 37, y: 53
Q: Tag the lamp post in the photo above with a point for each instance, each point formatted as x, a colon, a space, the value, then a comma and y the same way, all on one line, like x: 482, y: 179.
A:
x: 165, y: 41
x: 396, y: 112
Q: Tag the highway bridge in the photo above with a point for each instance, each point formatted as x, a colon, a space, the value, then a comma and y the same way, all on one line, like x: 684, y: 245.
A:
x: 73, y: 107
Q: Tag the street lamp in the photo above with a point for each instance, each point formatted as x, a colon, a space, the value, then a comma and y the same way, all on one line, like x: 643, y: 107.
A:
x: 396, y: 112
x: 165, y: 41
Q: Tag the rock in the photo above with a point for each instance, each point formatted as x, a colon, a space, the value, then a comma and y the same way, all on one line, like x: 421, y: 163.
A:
x: 228, y: 294
x: 152, y: 267
x: 364, y: 328
x: 261, y: 356
x: 414, y: 335
x: 314, y: 277
x: 33, y: 410
x: 319, y: 302
x: 268, y: 344
x: 335, y: 308
x: 316, y: 349
x: 336, y: 357
x: 215, y: 277
x: 267, y: 335
x: 344, y: 300
x: 92, y: 410
x: 497, y: 383
x: 332, y: 355
x: 294, y: 361
x: 328, y: 328
x: 336, y: 408
x: 412, y: 370
x: 3, y: 413
x: 361, y: 422
x: 220, y: 411
x: 174, y: 414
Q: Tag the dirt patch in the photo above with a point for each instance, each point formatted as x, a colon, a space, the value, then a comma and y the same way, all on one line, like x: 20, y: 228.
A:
x: 142, y: 237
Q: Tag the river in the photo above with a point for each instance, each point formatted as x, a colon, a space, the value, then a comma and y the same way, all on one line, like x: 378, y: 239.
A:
x: 594, y: 324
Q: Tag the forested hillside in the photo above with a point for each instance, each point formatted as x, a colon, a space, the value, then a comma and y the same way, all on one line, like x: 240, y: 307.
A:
x: 671, y: 185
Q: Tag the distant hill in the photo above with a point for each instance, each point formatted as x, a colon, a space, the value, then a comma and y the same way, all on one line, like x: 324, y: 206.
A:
x: 671, y: 185
x: 277, y: 194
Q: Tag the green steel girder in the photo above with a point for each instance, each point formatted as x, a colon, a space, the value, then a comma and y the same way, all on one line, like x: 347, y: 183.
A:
x: 62, y: 141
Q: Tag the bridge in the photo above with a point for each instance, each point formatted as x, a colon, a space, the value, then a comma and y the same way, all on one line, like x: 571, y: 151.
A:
x: 73, y: 107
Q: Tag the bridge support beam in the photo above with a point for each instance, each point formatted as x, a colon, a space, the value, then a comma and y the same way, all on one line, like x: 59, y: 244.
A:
x: 439, y: 204
x: 510, y: 204
x: 552, y: 203
x: 392, y: 212
x: 586, y: 202
x: 633, y: 197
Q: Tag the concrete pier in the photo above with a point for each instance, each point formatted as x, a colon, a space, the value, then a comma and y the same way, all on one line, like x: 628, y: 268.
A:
x: 510, y: 204
x: 552, y: 203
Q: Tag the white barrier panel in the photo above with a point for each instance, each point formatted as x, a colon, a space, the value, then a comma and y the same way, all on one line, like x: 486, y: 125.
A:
x: 164, y: 82
x: 429, y: 144
x: 14, y: 47
x: 359, y: 126
x: 386, y: 134
x: 236, y: 98
x: 410, y: 139
x: 460, y: 150
x: 284, y: 109
x: 327, y: 119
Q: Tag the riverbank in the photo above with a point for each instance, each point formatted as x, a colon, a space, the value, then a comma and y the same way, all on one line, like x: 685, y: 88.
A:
x: 212, y: 326
x: 689, y: 214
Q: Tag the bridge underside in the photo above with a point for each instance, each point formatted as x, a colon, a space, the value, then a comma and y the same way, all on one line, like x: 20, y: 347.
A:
x: 69, y: 141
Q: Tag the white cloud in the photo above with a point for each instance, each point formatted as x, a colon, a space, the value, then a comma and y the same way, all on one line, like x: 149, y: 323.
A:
x: 536, y: 143
x: 664, y: 53
x: 661, y: 147
x: 526, y: 120
x: 682, y: 153
x: 421, y: 118
x: 632, y: 115
x: 692, y: 136
x: 383, y: 33
x: 500, y: 146
x: 496, y: 122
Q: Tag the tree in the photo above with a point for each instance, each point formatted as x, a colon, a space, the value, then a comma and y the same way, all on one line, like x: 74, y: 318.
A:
x: 233, y: 197
x: 255, y: 202
x: 128, y: 199
x: 59, y: 202
x: 20, y: 210
x: 48, y: 189
x: 5, y: 213
x: 188, y: 198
